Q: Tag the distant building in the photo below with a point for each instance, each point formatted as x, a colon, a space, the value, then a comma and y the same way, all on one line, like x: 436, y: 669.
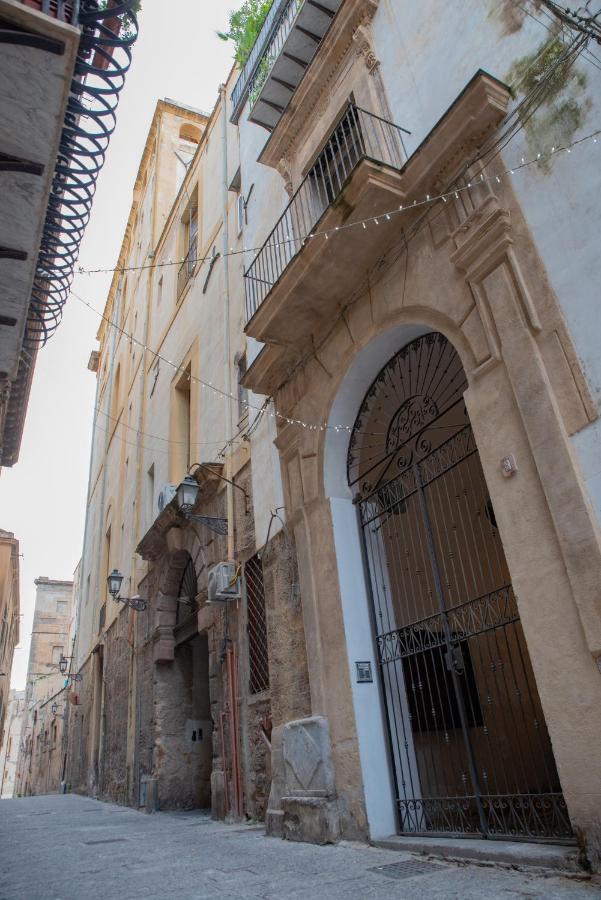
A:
x: 9, y: 614
x: 9, y: 750
x: 40, y: 761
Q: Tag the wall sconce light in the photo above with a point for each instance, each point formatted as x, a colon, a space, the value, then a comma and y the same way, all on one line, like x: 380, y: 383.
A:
x: 63, y: 663
x: 114, y: 582
x: 187, y: 496
x: 54, y: 709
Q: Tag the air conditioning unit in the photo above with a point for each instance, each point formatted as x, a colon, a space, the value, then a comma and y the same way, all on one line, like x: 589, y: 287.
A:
x: 166, y: 496
x: 224, y: 583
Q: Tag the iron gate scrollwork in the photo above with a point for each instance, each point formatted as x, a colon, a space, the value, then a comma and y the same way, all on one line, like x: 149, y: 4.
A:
x: 469, y: 745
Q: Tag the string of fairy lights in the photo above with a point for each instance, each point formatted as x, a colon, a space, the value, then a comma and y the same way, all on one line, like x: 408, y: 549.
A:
x: 364, y: 223
x: 326, y: 234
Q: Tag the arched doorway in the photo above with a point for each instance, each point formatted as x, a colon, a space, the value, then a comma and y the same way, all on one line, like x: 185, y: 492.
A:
x: 469, y: 747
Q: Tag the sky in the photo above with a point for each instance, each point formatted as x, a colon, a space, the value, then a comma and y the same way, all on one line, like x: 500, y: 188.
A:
x: 42, y: 498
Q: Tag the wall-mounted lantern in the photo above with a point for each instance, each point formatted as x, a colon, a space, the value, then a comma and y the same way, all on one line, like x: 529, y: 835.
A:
x: 114, y: 582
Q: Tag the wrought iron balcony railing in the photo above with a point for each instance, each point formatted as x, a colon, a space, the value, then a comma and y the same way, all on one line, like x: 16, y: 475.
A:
x: 285, y: 46
x: 186, y: 269
x: 240, y: 92
x: 58, y: 9
x: 359, y: 136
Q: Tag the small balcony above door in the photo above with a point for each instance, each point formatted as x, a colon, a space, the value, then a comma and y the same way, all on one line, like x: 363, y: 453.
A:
x: 357, y: 201
x: 293, y: 282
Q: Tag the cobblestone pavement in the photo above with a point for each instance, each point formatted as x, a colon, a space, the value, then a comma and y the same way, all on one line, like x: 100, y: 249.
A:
x: 75, y: 848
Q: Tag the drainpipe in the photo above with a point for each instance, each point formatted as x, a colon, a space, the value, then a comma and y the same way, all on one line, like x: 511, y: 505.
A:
x: 229, y: 425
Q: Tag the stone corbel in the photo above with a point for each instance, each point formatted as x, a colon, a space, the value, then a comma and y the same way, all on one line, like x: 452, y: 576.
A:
x: 283, y: 168
x: 363, y: 39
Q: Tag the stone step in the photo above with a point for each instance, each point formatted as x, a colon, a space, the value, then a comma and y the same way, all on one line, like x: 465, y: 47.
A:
x: 519, y: 854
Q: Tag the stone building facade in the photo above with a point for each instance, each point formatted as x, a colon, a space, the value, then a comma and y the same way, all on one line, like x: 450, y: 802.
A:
x: 11, y: 739
x: 400, y: 455
x: 40, y: 763
x: 9, y: 616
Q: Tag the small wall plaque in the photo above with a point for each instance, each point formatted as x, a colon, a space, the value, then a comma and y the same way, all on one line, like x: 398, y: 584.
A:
x: 508, y: 465
x: 364, y: 674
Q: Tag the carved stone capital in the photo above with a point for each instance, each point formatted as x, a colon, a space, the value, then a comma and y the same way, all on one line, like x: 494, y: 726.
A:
x: 363, y: 39
x: 283, y: 168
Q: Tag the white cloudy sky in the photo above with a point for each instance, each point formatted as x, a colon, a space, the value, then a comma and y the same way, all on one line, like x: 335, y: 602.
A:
x: 42, y: 499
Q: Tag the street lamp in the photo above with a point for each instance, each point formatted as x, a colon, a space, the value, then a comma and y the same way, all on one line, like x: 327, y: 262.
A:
x: 62, y: 664
x: 187, y: 494
x: 114, y: 582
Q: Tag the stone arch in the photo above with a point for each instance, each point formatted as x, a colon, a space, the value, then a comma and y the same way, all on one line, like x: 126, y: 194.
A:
x: 182, y: 545
x: 508, y: 391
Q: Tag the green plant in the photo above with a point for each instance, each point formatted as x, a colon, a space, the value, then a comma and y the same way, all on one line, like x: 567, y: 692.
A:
x: 244, y: 27
x: 127, y: 30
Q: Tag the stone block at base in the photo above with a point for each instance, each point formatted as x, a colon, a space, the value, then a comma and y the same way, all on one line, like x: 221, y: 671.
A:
x: 311, y: 819
x: 274, y: 823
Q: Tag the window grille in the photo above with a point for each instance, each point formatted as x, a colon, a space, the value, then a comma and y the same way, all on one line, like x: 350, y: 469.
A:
x: 258, y: 656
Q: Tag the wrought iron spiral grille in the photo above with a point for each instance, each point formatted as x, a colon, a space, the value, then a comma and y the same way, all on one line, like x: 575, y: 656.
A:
x: 469, y: 746
x: 103, y: 60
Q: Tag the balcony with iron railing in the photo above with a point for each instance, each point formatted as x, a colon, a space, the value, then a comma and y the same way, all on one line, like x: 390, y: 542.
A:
x: 285, y: 46
x: 353, y: 175
x: 360, y: 199
x: 186, y: 269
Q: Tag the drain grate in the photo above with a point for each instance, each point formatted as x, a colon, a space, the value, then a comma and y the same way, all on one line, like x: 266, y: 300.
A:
x: 409, y: 868
x: 106, y: 841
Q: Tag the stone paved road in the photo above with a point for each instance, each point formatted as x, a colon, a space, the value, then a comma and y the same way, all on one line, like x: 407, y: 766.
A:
x: 75, y: 848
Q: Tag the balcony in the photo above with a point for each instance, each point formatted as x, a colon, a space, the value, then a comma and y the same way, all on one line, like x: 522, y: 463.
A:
x: 300, y: 279
x: 362, y: 148
x: 282, y: 52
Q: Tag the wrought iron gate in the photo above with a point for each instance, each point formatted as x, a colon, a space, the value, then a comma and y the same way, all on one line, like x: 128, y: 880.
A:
x: 470, y: 749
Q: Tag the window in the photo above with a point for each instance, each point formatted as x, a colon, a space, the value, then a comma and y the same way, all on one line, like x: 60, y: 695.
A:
x: 242, y: 391
x: 150, y: 494
x: 61, y: 607
x: 180, y: 428
x: 107, y: 558
x: 189, y: 243
x: 115, y: 396
x: 256, y: 626
x: 241, y: 213
x: 57, y: 652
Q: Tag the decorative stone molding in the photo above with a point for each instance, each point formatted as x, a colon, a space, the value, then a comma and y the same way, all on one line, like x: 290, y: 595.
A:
x: 283, y: 168
x: 363, y: 39
x: 302, y: 803
x: 510, y: 318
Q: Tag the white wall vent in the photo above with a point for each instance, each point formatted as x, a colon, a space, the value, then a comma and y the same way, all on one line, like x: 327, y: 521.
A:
x: 166, y: 496
x: 224, y: 583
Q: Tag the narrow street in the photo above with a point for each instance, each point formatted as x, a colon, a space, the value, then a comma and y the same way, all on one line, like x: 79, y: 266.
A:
x: 71, y: 847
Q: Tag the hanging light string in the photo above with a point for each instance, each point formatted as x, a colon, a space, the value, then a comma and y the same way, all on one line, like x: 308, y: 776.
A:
x: 452, y: 193
x: 429, y: 199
